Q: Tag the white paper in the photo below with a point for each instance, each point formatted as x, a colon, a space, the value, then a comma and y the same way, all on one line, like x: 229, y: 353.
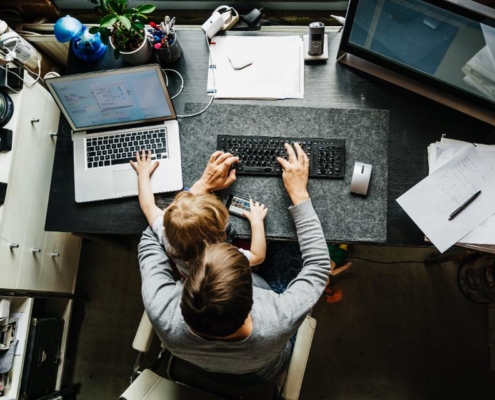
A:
x: 21, y: 332
x: 439, y: 154
x: 276, y: 72
x: 431, y: 201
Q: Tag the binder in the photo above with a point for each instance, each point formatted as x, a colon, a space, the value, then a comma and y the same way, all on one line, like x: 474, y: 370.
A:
x: 42, y: 357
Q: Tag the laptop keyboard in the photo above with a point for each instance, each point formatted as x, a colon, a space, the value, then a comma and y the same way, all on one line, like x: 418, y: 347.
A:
x: 103, y: 151
x: 257, y: 154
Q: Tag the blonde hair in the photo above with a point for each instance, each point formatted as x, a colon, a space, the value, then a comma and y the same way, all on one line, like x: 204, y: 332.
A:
x: 193, y: 221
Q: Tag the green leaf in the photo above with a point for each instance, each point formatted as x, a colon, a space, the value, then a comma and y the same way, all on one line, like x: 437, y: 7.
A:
x: 146, y: 8
x: 112, y: 5
x: 108, y: 20
x: 138, y: 25
x: 105, y: 36
x: 94, y: 29
x: 125, y: 21
x: 141, y: 17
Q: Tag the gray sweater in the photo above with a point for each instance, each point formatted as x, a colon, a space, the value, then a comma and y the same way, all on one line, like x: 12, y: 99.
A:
x: 276, y: 317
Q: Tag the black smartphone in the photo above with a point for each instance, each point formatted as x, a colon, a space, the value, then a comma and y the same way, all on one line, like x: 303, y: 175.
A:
x: 237, y: 205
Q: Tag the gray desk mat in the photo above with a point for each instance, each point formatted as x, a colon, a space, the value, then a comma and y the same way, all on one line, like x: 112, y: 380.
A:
x: 344, y: 217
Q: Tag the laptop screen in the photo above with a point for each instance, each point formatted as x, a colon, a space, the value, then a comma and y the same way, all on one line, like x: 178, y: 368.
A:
x: 113, y: 98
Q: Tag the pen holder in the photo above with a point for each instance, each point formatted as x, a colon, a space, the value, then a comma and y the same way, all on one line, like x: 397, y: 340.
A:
x: 165, y: 55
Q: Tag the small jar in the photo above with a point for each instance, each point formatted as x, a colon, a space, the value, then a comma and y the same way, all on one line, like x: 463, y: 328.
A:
x: 170, y: 52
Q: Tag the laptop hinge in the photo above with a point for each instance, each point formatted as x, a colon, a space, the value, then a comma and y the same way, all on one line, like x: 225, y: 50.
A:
x: 139, y: 126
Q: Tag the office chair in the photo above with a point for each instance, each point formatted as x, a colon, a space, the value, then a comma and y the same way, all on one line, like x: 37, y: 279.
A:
x: 150, y: 386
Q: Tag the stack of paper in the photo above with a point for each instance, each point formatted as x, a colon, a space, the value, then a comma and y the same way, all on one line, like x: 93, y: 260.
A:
x: 457, y: 171
x: 274, y: 67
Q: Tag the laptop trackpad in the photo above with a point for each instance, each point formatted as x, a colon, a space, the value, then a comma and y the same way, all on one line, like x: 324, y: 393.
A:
x: 125, y: 181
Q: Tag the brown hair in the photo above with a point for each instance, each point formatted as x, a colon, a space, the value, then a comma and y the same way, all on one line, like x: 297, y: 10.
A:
x: 218, y: 294
x: 193, y: 221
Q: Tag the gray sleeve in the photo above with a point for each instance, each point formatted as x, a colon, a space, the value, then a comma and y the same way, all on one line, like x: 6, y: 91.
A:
x: 304, y: 291
x: 158, y: 283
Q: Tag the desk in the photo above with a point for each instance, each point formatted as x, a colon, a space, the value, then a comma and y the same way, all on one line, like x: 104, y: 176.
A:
x: 415, y: 122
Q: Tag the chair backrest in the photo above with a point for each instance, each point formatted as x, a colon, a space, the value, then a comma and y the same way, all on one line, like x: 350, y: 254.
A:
x: 150, y: 386
x: 145, y: 386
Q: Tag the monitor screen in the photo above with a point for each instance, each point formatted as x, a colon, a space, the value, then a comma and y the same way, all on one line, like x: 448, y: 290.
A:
x: 426, y: 42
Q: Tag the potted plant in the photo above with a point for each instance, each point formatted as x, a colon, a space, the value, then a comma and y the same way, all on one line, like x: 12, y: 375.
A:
x: 123, y: 28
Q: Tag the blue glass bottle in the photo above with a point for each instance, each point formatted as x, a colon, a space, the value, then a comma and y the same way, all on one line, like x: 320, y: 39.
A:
x: 86, y: 46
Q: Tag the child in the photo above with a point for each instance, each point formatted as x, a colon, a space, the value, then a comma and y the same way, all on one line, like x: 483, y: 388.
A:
x: 193, y: 221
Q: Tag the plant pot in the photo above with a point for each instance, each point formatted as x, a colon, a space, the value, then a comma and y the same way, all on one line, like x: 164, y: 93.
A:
x: 138, y: 56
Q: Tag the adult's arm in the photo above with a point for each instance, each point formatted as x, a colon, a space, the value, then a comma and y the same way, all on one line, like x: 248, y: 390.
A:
x: 304, y: 291
x: 158, y: 283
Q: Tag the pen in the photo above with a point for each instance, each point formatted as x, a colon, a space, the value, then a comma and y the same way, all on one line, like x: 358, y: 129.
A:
x: 463, y: 206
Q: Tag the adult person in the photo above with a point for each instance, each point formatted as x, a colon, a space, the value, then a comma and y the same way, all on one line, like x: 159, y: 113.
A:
x: 226, y: 321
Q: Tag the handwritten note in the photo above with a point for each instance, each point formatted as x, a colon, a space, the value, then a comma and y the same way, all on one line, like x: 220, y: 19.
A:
x: 432, y: 200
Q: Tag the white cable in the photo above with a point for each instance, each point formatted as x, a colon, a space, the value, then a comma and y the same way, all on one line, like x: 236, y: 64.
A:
x: 32, y: 73
x: 181, y: 81
x: 214, y: 85
x: 29, y: 84
x: 51, y: 74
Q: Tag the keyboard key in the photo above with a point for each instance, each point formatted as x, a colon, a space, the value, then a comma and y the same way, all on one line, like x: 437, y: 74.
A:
x: 122, y: 161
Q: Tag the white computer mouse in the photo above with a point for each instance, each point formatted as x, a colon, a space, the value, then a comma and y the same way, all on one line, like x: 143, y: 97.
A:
x: 361, y: 178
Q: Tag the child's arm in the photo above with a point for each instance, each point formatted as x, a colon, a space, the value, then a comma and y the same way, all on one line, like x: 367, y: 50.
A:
x: 144, y: 168
x: 258, y: 241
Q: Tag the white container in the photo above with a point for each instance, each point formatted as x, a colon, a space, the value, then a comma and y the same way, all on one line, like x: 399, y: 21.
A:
x: 139, y: 56
x: 24, y: 51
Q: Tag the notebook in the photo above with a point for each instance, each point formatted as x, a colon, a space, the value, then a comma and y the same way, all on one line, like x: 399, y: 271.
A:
x: 113, y: 114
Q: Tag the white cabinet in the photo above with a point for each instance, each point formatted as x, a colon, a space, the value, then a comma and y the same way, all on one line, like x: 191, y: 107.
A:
x: 30, y: 258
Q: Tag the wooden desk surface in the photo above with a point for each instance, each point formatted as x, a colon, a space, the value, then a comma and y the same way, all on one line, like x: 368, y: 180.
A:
x: 415, y: 122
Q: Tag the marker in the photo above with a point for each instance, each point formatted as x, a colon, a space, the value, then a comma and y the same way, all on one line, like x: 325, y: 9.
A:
x: 463, y: 206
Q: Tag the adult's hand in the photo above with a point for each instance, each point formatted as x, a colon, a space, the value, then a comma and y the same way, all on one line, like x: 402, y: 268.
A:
x: 295, y: 173
x: 217, y: 174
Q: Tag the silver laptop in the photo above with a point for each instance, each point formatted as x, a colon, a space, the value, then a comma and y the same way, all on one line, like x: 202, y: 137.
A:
x: 113, y: 114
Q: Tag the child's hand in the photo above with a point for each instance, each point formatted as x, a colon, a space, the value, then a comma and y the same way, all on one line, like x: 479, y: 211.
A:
x: 257, y: 213
x: 143, y: 165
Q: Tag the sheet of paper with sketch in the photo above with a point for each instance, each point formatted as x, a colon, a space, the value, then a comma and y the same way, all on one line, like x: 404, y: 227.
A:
x: 434, y: 199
